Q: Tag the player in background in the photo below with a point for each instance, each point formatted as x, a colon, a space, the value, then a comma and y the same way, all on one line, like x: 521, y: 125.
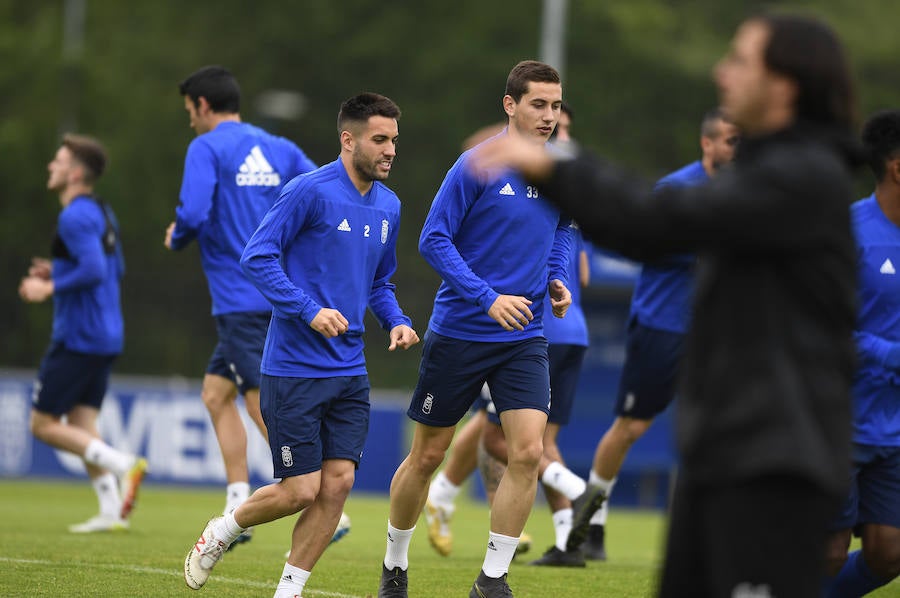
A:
x: 657, y: 325
x: 499, y: 248
x: 872, y: 509
x: 83, y: 279
x: 233, y: 173
x: 315, y: 389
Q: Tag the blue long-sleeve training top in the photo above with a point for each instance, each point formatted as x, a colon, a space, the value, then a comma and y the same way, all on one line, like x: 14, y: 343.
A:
x: 488, y: 235
x: 87, y: 311
x: 571, y: 329
x: 324, y: 245
x: 663, y: 292
x: 232, y: 176
x: 876, y: 387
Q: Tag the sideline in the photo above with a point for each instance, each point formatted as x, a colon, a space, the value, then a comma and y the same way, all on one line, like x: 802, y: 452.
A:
x: 169, y: 573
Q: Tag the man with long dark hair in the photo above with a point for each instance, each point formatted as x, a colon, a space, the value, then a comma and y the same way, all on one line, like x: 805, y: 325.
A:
x: 764, y: 418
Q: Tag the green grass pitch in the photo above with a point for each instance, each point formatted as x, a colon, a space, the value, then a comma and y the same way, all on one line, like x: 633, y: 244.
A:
x: 38, y: 557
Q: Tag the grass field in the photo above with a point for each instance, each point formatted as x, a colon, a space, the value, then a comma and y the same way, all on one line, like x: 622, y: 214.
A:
x: 39, y: 558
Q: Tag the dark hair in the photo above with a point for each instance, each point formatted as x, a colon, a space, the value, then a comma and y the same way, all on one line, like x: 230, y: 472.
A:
x: 881, y: 138
x: 710, y: 120
x: 88, y: 152
x: 217, y: 85
x: 524, y: 73
x: 567, y: 110
x: 360, y: 108
x: 808, y: 51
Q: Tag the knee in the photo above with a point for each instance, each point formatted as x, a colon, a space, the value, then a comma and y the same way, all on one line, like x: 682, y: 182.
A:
x: 38, y: 426
x: 629, y: 430
x: 884, y: 562
x: 338, y: 486
x: 299, y: 497
x: 834, y: 561
x: 526, y: 456
x: 427, y: 459
x: 213, y: 399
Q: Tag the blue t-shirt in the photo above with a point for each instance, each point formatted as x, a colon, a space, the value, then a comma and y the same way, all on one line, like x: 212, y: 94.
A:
x: 87, y: 311
x: 488, y: 235
x: 232, y: 176
x: 876, y: 389
x: 571, y: 329
x: 324, y: 245
x: 662, y: 294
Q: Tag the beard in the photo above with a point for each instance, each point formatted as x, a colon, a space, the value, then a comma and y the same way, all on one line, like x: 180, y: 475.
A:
x: 367, y: 168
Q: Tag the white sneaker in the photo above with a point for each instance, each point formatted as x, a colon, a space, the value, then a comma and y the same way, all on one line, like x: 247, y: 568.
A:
x: 100, y: 523
x: 342, y: 529
x: 203, y: 556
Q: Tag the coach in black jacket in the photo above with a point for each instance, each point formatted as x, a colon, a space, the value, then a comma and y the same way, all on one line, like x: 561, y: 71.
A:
x: 764, y: 416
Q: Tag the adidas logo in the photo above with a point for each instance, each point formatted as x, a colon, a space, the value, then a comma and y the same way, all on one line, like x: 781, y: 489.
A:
x: 887, y: 267
x: 491, y: 546
x: 344, y: 226
x: 256, y: 171
x: 507, y: 190
x: 287, y: 578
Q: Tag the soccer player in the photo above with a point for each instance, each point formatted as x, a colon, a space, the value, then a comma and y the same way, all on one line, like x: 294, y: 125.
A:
x: 233, y: 173
x: 315, y: 390
x: 83, y: 279
x: 764, y: 412
x: 659, y: 320
x: 466, y: 452
x: 872, y: 509
x: 499, y: 248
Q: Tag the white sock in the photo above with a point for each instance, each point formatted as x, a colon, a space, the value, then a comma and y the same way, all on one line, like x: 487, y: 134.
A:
x: 102, y: 455
x: 292, y: 581
x: 229, y: 529
x: 397, y: 553
x: 500, y: 552
x: 107, y: 488
x: 562, y: 524
x: 560, y: 478
x: 235, y: 494
x: 599, y: 518
x: 442, y: 491
x: 605, y: 485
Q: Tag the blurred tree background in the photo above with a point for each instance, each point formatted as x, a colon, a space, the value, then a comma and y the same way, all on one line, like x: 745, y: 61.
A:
x: 637, y: 74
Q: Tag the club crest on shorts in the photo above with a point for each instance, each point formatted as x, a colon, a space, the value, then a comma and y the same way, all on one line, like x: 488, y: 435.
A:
x: 384, y: 231
x: 287, y: 459
x: 429, y: 401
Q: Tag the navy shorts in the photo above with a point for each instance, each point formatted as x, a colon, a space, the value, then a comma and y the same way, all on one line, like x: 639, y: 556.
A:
x: 452, y: 372
x: 242, y: 336
x: 67, y: 379
x: 313, y: 419
x: 649, y: 376
x: 565, y: 369
x: 874, y: 488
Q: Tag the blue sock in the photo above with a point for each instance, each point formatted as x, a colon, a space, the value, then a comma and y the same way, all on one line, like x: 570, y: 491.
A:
x: 854, y: 579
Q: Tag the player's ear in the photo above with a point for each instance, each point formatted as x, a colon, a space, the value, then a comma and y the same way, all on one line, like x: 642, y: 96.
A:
x: 509, y: 105
x: 893, y: 170
x: 347, y: 141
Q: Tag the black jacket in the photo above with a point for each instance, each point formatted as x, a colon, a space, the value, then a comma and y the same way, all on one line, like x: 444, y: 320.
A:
x: 770, y: 355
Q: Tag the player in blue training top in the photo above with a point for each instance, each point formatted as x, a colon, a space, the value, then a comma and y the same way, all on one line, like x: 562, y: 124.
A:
x: 499, y: 248
x: 83, y: 279
x: 233, y: 173
x: 872, y: 510
x: 567, y: 341
x: 657, y: 325
x: 315, y: 391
